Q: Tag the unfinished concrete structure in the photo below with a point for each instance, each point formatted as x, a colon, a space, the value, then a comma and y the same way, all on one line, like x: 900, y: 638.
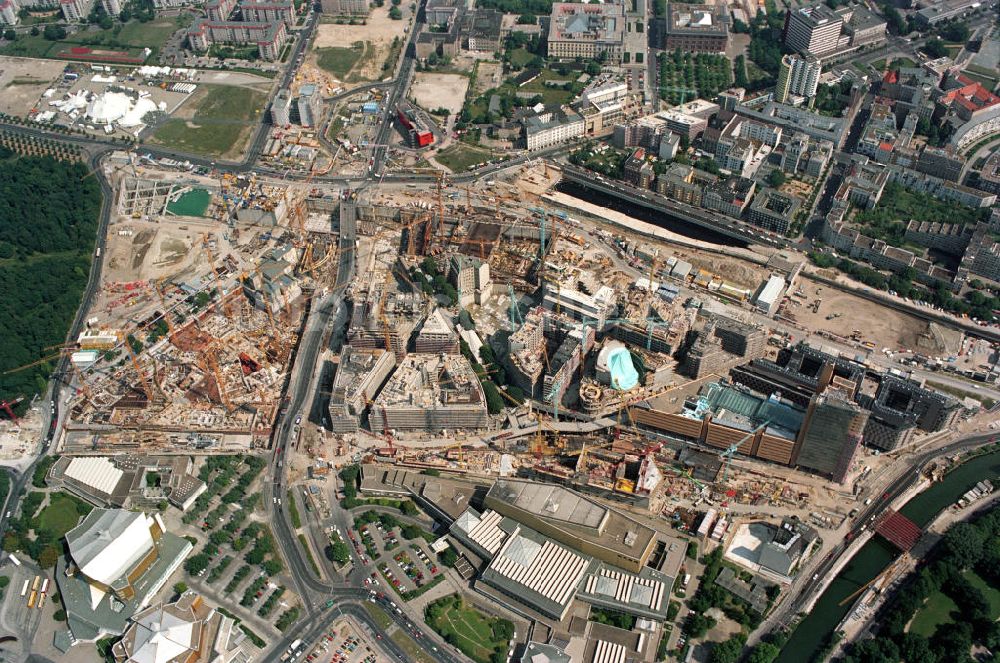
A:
x: 360, y: 374
x: 430, y: 392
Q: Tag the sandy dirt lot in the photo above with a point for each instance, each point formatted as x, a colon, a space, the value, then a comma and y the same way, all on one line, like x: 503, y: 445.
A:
x: 431, y: 91
x: 881, y: 326
x: 488, y: 76
x: 23, y: 80
x: 378, y: 33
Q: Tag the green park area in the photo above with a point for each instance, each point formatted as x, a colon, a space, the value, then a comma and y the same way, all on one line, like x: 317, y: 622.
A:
x: 62, y: 513
x: 191, y: 203
x: 130, y: 37
x: 481, y: 638
x: 940, y: 609
x: 339, y: 60
x: 460, y: 157
x: 223, y: 117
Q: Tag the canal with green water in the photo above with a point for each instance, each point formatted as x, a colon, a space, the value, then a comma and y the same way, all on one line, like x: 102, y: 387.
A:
x: 812, y: 632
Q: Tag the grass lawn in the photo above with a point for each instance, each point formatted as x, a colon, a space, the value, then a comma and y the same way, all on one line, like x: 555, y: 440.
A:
x: 62, y: 514
x: 471, y: 631
x: 550, y: 94
x: 218, y: 123
x: 520, y: 57
x: 339, y: 61
x: 132, y: 36
x: 991, y: 593
x: 935, y: 611
x: 28, y: 46
x: 459, y: 157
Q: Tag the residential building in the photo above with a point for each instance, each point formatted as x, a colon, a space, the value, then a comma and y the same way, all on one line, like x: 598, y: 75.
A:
x: 697, y: 28
x: 266, y: 11
x: 482, y: 32
x: 730, y: 196
x: 989, y: 175
x: 9, y: 12
x: 74, y: 11
x: 551, y: 126
x: 112, y: 7
x: 118, y: 560
x: 579, y: 30
x: 219, y: 10
x: 797, y: 76
x: 269, y: 38
x: 941, y: 162
x: 637, y: 171
x: 773, y: 211
x: 678, y: 182
x: 345, y: 7
x: 310, y: 105
x: 185, y: 631
x: 281, y: 108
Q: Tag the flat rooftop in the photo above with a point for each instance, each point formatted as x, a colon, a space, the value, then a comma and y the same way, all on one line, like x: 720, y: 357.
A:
x: 577, y: 515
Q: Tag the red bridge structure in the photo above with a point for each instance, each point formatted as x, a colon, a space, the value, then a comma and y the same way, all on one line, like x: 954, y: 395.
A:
x: 898, y: 530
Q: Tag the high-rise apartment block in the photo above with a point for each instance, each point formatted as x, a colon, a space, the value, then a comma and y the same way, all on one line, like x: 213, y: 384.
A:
x: 798, y: 76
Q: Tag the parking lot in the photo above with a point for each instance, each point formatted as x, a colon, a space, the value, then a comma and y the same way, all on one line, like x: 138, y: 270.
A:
x: 344, y: 643
x: 405, y: 564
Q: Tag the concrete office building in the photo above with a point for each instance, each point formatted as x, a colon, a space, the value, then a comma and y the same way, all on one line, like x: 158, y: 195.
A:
x: 722, y: 343
x: 813, y: 30
x: 798, y: 76
x: 579, y: 30
x: 437, y: 334
x: 570, y: 301
x: 697, y: 28
x: 552, y: 126
x: 575, y: 520
x: 830, y: 435
x: 360, y: 374
x: 471, y: 278
x: 431, y: 393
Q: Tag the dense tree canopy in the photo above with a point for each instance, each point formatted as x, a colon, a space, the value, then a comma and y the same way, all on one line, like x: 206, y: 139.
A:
x: 48, y: 217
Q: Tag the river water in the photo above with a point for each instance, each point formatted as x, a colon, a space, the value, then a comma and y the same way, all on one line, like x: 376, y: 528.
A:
x: 813, y: 631
x: 671, y: 223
